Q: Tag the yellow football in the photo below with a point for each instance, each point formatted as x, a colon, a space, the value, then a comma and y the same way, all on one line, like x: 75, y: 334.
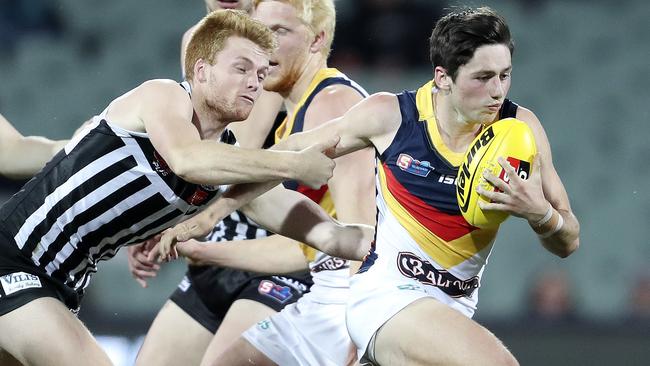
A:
x: 509, y: 138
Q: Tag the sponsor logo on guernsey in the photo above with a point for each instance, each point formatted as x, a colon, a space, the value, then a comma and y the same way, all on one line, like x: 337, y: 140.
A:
x: 275, y: 291
x: 264, y: 324
x: 330, y: 264
x: 198, y: 197
x: 420, y: 168
x: 295, y: 284
x: 412, y: 266
x: 185, y: 284
x: 160, y: 165
x: 462, y: 182
x: 14, y: 282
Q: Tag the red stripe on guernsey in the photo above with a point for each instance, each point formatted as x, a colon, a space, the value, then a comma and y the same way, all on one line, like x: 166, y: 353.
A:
x: 315, y: 195
x: 445, y: 226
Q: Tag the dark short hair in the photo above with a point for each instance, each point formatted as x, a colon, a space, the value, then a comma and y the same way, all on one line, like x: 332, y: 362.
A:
x: 458, y: 34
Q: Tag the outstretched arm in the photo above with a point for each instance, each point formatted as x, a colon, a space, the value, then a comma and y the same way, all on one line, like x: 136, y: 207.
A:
x: 373, y: 122
x: 22, y: 157
x: 164, y: 111
x: 291, y: 214
x: 275, y: 254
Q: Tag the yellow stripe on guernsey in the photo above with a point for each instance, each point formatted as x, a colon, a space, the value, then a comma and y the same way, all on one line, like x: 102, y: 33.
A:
x: 445, y: 253
x: 426, y: 110
x: 284, y: 130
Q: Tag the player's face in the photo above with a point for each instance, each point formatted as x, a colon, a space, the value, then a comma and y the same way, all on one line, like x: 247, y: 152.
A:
x: 213, y: 5
x: 234, y: 81
x: 481, y: 84
x: 293, y: 37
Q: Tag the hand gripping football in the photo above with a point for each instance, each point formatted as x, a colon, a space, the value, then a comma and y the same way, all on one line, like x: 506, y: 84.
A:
x: 510, y: 138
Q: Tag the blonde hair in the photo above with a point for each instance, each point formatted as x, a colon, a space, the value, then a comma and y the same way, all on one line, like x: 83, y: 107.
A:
x: 212, y: 32
x: 318, y: 15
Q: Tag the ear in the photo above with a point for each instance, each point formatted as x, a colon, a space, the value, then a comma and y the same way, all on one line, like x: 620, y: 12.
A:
x: 200, y: 70
x: 442, y: 79
x: 318, y: 41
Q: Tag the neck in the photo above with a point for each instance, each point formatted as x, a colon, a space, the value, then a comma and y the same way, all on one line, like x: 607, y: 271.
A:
x: 456, y: 132
x: 207, y: 120
x: 310, y: 70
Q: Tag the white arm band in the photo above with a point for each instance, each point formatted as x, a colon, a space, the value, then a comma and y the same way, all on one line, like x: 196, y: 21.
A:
x: 547, y: 216
x: 558, y: 227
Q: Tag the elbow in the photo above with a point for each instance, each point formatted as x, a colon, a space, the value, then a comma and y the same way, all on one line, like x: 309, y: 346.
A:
x: 568, y: 249
x: 176, y: 163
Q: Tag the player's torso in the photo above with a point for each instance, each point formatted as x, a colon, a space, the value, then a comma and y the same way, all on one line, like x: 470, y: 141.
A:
x: 419, y: 221
x: 107, y: 188
x: 330, y: 275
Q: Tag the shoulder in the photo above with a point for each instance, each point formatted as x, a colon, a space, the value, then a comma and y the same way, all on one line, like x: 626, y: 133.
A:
x: 526, y: 115
x: 384, y: 104
x: 379, y: 114
x: 153, y: 94
x: 337, y: 93
x: 333, y: 101
x: 162, y: 90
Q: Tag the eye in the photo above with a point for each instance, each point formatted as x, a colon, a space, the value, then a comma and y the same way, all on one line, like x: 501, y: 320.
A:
x: 505, y: 76
x: 240, y: 69
x: 281, y: 31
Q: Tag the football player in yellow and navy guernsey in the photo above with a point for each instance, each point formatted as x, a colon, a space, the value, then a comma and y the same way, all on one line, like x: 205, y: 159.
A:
x: 413, y: 299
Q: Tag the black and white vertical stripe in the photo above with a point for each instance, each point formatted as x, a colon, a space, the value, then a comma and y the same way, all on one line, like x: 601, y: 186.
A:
x: 237, y: 226
x: 108, y: 188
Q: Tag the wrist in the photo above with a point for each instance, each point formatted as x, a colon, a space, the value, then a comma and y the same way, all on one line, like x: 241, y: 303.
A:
x: 293, y: 163
x: 558, y: 226
x: 549, y: 225
x: 539, y: 221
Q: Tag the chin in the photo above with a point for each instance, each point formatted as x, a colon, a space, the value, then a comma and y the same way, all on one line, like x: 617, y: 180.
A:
x: 241, y: 114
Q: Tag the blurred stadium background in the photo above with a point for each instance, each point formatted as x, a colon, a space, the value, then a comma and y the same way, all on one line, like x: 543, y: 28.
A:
x: 582, y: 66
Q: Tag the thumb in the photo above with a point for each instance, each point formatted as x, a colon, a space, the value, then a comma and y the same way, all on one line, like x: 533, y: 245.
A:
x: 154, y: 255
x: 328, y: 144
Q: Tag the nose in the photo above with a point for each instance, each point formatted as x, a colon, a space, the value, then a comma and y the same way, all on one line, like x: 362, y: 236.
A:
x: 252, y: 82
x: 497, y: 87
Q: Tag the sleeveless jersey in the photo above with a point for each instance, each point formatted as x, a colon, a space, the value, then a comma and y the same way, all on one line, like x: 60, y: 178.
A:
x: 330, y: 275
x: 107, y: 188
x: 417, y: 205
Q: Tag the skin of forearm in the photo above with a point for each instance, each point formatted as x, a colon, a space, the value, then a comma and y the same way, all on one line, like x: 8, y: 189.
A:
x: 280, y: 255
x: 566, y: 241
x: 24, y: 157
x: 342, y: 241
x: 214, y: 163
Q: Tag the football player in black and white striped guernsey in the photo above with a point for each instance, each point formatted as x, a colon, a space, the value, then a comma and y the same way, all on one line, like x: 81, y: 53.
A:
x: 213, y: 305
x: 147, y: 162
